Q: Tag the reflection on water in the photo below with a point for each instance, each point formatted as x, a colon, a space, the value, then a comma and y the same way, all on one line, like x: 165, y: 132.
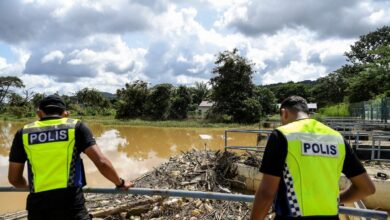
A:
x: 133, y: 151
x: 130, y: 166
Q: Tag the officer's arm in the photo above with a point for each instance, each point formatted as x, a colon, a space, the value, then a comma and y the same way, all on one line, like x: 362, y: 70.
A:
x: 15, y: 175
x: 361, y: 187
x: 264, y: 196
x: 105, y: 166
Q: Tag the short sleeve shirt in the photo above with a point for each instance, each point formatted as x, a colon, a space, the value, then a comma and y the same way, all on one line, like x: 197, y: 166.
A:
x: 58, y: 198
x: 276, y: 152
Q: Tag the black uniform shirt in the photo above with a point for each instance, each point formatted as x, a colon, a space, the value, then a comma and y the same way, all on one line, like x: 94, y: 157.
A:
x: 57, y: 198
x: 274, y: 159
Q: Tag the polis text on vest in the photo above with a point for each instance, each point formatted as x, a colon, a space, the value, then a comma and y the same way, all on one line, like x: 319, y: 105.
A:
x: 48, y: 136
x: 319, y: 149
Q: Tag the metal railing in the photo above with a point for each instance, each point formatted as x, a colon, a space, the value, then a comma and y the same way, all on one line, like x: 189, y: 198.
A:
x: 346, y: 124
x: 379, y: 143
x: 209, y: 195
x: 246, y: 148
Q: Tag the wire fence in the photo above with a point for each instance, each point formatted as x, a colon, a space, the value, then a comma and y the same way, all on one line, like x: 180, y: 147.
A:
x: 375, y: 110
x: 211, y: 195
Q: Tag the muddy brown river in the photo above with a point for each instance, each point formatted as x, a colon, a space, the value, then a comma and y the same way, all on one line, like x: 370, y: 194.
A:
x: 133, y: 150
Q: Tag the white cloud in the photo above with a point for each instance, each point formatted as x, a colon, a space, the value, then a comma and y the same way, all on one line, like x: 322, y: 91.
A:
x: 347, y: 18
x: 3, y: 63
x: 14, y: 68
x: 222, y: 4
x: 52, y: 56
x: 294, y: 71
x: 68, y: 45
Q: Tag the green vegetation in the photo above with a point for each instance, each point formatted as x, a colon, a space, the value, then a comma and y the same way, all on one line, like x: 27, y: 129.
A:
x: 234, y: 74
x: 167, y: 123
x: 338, y: 110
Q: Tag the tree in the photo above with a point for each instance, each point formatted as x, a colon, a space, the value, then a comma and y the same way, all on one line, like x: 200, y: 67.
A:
x: 284, y: 90
x: 159, y: 102
x: 361, y: 51
x: 266, y: 99
x: 6, y: 85
x: 200, y: 92
x: 330, y: 89
x: 180, y: 103
x: 92, y: 98
x: 375, y: 77
x: 233, y: 88
x: 131, y: 100
x: 37, y: 97
x: 15, y: 99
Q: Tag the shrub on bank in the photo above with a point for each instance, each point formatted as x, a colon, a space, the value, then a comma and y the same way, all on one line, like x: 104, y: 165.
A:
x: 338, y: 110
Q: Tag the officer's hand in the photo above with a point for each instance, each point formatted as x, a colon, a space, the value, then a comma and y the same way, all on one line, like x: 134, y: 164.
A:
x: 126, y: 185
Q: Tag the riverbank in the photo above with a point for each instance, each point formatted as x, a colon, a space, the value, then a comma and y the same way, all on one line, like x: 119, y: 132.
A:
x: 111, y: 120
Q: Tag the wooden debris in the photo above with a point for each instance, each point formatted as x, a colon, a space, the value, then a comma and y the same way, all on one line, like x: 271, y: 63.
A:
x: 192, y: 170
x: 129, y: 208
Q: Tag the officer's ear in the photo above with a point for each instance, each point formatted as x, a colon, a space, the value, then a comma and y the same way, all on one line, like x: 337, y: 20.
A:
x: 283, y: 114
x: 40, y: 114
x: 65, y: 114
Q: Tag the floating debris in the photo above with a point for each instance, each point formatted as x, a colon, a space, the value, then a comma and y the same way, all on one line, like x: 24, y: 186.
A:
x: 193, y: 170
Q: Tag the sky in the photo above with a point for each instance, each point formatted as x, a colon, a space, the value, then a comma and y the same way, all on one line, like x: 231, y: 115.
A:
x: 64, y: 46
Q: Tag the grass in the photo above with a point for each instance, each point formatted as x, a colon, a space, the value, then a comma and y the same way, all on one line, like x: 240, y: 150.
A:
x: 111, y: 121
x: 10, y: 117
x: 339, y: 110
x: 274, y: 117
x: 192, y: 123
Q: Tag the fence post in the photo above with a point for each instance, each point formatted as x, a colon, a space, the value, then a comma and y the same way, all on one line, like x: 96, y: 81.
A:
x: 363, y: 111
x: 386, y: 109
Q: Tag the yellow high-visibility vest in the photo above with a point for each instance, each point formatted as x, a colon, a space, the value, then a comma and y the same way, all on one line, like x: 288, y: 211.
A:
x: 49, y: 146
x: 315, y: 157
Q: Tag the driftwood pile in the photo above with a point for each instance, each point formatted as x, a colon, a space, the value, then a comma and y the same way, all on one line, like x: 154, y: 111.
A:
x: 193, y: 170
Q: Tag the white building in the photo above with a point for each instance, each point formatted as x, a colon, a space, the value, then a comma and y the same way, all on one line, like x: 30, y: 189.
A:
x: 203, y: 107
x: 312, y: 107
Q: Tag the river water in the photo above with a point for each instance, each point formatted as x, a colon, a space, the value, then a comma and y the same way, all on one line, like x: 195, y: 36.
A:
x: 134, y: 150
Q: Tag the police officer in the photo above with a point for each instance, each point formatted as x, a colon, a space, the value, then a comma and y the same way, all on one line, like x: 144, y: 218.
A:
x: 301, y: 167
x: 52, y: 147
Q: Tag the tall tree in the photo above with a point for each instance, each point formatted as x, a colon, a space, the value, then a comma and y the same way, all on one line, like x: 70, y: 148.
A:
x: 132, y: 99
x: 233, y: 88
x: 361, y: 51
x: 330, y: 89
x: 266, y: 99
x: 180, y: 103
x: 7, y: 83
x: 15, y: 99
x: 37, y: 97
x: 200, y: 92
x: 375, y: 77
x: 284, y: 90
x: 92, y: 98
x: 159, y: 102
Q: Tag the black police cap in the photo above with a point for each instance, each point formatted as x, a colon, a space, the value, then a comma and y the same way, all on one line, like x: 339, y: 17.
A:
x: 52, y: 101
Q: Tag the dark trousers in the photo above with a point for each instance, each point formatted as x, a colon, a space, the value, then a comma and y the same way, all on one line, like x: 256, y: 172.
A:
x: 59, y: 214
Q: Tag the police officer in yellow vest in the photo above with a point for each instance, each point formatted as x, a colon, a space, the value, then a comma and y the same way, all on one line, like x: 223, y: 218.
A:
x: 52, y: 147
x: 301, y: 167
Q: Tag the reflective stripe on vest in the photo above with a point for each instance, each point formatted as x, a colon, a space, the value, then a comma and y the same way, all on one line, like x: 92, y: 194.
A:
x: 49, y: 146
x: 315, y: 157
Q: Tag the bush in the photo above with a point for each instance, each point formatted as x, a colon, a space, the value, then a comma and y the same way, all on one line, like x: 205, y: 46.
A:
x: 218, y: 118
x: 339, y: 110
x: 19, y: 111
